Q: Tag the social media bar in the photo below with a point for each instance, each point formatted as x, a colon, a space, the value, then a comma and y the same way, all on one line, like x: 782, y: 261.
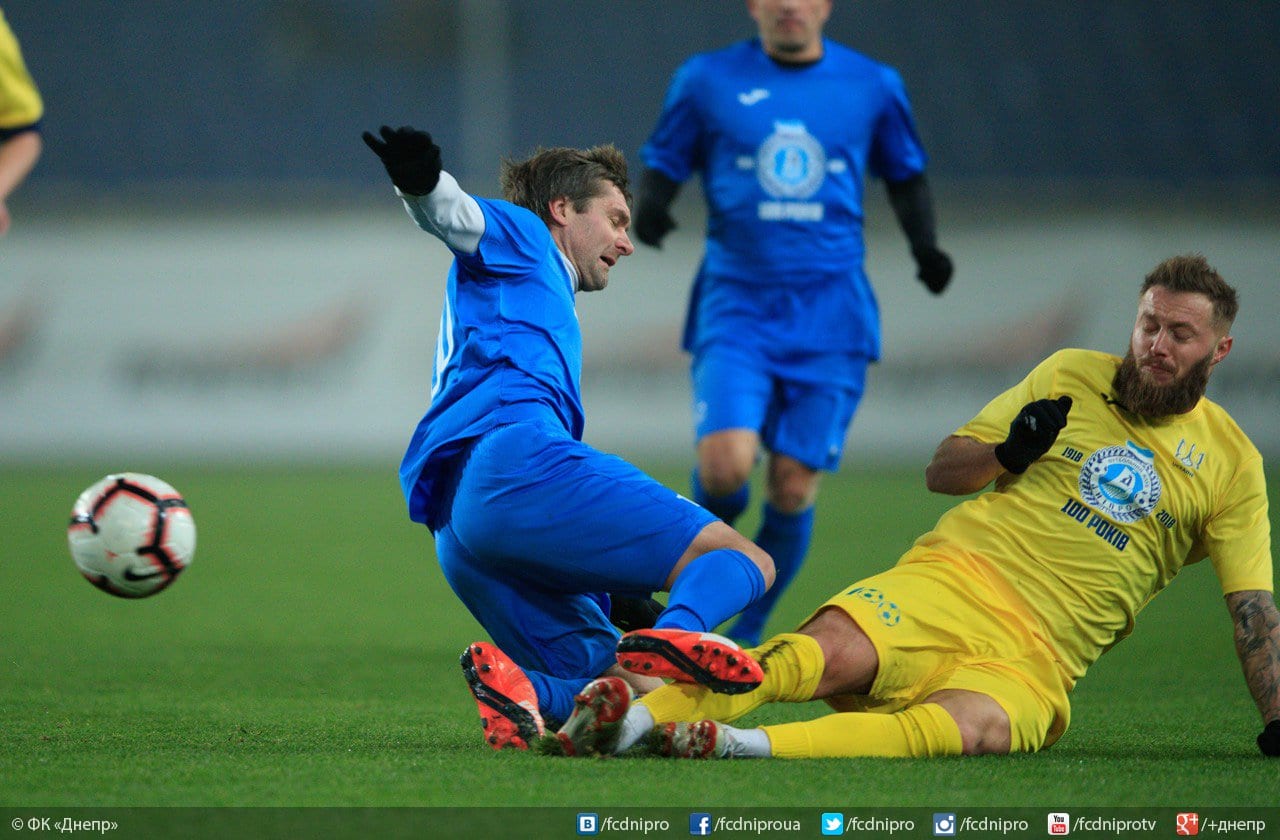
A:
x: 903, y: 822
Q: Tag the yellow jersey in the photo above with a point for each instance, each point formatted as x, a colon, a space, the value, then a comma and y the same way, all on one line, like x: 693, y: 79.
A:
x: 20, y: 103
x: 1088, y: 535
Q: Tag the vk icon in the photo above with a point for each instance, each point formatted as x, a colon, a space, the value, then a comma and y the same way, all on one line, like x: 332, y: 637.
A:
x: 944, y: 825
x: 832, y: 824
x: 588, y: 823
x: 700, y: 824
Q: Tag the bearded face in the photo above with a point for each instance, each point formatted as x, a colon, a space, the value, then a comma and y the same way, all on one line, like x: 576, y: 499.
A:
x: 1136, y: 389
x: 1174, y: 346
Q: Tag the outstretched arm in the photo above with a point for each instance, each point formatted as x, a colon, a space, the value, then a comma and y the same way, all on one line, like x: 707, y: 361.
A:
x: 1257, y: 636
x: 449, y: 214
x: 432, y: 196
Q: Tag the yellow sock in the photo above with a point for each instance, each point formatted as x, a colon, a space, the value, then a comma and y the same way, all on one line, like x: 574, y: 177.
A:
x: 792, y: 666
x: 918, y: 732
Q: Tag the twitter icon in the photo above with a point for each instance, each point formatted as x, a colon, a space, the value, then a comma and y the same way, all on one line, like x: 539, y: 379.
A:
x: 832, y: 824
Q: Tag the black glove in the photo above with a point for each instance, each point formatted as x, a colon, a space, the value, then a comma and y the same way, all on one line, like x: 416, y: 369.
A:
x: 1032, y: 432
x: 653, y: 223
x: 411, y: 158
x: 1269, y: 740
x: 935, y: 268
x: 628, y: 612
x: 653, y: 202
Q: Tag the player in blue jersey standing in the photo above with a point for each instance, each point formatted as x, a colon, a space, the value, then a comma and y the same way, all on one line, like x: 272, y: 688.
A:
x: 532, y: 526
x: 784, y: 129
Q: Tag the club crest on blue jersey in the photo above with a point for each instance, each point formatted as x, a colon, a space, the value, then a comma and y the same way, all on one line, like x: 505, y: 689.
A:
x: 1122, y: 482
x: 791, y: 163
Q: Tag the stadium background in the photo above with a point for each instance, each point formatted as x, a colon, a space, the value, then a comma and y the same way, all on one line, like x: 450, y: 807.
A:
x: 208, y: 278
x: 207, y: 260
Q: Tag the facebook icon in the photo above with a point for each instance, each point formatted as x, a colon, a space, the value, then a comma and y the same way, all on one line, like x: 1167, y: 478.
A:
x: 700, y: 824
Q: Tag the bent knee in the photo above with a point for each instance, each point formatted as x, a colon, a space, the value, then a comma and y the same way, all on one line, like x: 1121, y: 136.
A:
x: 717, y: 535
x: 984, y: 738
x: 984, y: 725
x: 793, y: 487
x: 763, y: 561
x: 725, y: 461
x: 722, y: 479
x: 757, y: 555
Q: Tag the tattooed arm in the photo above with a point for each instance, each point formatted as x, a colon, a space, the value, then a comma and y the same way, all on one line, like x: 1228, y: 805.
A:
x: 1257, y: 635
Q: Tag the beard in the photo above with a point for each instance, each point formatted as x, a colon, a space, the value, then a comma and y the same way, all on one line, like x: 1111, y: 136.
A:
x: 1135, y: 392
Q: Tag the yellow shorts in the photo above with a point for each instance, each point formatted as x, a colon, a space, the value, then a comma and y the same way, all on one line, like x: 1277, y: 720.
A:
x: 936, y: 621
x: 20, y: 102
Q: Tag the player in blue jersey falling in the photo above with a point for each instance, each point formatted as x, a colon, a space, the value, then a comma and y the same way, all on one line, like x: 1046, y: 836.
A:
x: 532, y: 526
x: 782, y: 322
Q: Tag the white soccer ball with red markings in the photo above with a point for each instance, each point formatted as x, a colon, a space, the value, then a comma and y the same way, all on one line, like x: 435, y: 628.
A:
x: 131, y: 535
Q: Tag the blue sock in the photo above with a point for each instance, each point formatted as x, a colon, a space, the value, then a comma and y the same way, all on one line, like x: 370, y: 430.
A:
x: 729, y: 507
x: 710, y: 589
x: 786, y: 537
x: 555, y: 696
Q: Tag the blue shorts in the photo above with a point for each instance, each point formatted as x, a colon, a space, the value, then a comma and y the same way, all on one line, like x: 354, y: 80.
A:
x: 540, y: 526
x: 793, y: 404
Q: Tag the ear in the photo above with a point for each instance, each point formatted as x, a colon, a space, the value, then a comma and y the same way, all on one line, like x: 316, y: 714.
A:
x: 560, y: 208
x: 1224, y: 347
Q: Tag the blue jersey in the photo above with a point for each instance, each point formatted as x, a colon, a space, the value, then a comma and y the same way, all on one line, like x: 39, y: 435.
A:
x: 784, y: 153
x: 509, y: 348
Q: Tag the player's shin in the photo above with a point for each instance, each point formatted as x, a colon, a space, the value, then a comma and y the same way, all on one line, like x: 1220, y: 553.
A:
x: 710, y: 589
x: 918, y: 732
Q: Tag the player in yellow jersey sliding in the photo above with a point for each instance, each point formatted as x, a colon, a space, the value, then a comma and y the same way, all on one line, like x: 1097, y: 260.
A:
x: 1110, y: 475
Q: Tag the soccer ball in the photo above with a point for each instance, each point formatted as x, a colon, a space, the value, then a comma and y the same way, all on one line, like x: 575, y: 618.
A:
x: 131, y: 535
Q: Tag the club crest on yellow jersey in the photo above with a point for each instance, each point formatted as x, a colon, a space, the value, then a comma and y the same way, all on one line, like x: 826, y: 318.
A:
x: 1122, y: 482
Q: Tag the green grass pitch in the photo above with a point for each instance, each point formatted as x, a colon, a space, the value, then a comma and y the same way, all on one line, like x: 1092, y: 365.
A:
x: 309, y: 657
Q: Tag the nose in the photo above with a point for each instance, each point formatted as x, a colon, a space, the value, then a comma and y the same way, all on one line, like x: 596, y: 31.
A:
x: 1160, y: 343
x: 625, y: 246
